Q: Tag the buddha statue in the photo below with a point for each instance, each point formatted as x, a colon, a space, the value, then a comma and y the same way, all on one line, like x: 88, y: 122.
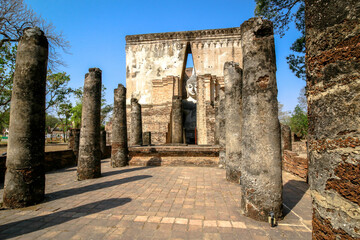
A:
x: 189, y: 108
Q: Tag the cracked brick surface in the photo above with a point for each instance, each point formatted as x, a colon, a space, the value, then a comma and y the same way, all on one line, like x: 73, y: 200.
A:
x: 152, y: 203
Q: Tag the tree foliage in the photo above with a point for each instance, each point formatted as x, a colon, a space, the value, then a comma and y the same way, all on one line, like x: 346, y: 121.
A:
x: 7, y: 66
x: 106, y: 109
x: 302, y: 99
x: 56, y: 88
x: 284, y: 116
x: 64, y: 113
x: 282, y: 13
x: 51, y: 122
x: 299, y: 122
x: 15, y: 16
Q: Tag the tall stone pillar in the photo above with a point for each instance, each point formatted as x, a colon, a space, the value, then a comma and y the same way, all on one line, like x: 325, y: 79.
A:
x: 103, y: 143
x: 89, y: 165
x: 136, y: 123
x: 119, y: 145
x: 261, y: 176
x: 221, y: 120
x: 286, y: 143
x: 25, y: 174
x: 201, y: 129
x: 76, y: 135
x: 177, y: 120
x: 333, y: 90
x: 233, y: 85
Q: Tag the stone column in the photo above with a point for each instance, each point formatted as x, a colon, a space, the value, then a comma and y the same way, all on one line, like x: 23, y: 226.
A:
x: 222, y: 128
x: 76, y: 135
x: 136, y: 124
x: 333, y: 90
x: 146, y: 138
x: 261, y: 176
x: 103, y: 143
x: 286, y: 137
x: 119, y: 146
x: 25, y: 175
x: 233, y: 85
x: 177, y: 120
x: 201, y: 130
x: 89, y: 165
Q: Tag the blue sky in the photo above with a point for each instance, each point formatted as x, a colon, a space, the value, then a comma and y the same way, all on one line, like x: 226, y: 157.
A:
x: 96, y: 30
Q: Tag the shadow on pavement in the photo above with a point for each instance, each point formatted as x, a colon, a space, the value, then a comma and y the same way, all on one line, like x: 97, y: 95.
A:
x: 293, y: 191
x: 106, y: 174
x: 75, y: 191
x: 19, y: 228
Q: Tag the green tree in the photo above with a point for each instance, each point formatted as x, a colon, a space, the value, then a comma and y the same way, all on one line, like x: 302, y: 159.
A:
x: 64, y: 113
x: 299, y: 122
x: 7, y: 67
x: 282, y: 13
x: 302, y: 99
x: 57, y: 90
x: 284, y: 116
x: 15, y: 16
x: 76, y: 115
x: 51, y: 122
x: 106, y: 109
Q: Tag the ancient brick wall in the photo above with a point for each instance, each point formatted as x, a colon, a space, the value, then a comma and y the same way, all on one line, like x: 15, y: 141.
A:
x: 333, y: 89
x: 155, y: 72
x: 295, y: 163
x: 151, y: 57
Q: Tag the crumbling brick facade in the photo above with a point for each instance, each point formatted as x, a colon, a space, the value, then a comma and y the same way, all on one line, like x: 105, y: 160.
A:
x: 155, y: 72
x: 333, y: 89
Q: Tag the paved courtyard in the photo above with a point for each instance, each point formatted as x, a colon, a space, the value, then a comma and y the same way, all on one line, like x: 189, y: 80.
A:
x: 152, y: 203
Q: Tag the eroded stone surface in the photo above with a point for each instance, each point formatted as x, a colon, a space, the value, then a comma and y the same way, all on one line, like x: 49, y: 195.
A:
x: 89, y: 148
x: 25, y: 175
x: 136, y: 123
x: 286, y: 141
x: 333, y: 87
x: 233, y: 79
x: 103, y: 143
x: 177, y: 120
x: 119, y: 146
x: 261, y: 142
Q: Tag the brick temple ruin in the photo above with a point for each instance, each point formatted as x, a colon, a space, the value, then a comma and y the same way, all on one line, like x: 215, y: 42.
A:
x: 166, y: 105
x: 156, y: 72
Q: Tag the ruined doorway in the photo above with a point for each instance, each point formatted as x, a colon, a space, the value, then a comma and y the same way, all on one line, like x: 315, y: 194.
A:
x: 189, y: 98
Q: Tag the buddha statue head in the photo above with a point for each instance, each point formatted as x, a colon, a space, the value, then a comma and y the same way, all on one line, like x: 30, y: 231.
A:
x: 191, y: 88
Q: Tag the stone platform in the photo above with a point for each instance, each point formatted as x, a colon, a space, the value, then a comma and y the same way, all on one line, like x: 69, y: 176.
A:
x: 174, y: 155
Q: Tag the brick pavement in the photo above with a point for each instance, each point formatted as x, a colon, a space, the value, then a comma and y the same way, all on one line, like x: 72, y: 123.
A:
x: 152, y: 203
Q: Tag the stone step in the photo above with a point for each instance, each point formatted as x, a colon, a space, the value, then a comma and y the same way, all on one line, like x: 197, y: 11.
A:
x: 174, y: 155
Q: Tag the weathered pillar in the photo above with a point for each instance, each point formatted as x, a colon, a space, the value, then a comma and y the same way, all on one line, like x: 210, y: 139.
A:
x: 25, y: 174
x: 76, y: 135
x: 89, y: 165
x: 136, y: 124
x: 177, y: 120
x: 103, y: 143
x: 233, y: 86
x: 261, y: 176
x: 119, y: 145
x: 146, y: 138
x: 286, y: 137
x: 221, y: 128
x: 201, y: 129
x: 333, y: 90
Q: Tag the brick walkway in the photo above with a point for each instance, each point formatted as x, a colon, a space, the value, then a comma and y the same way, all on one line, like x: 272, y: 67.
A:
x: 152, y: 203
